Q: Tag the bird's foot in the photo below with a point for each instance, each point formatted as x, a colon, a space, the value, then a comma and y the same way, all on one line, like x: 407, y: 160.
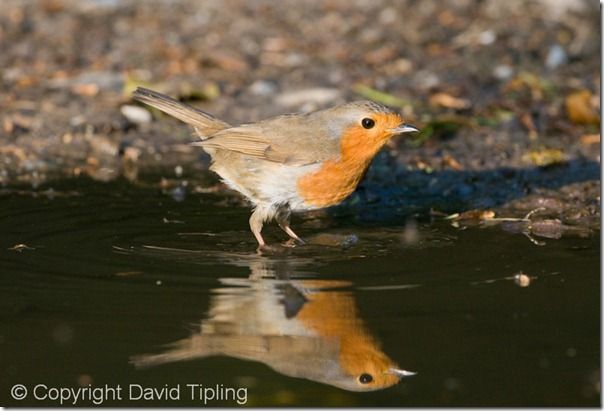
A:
x: 293, y: 242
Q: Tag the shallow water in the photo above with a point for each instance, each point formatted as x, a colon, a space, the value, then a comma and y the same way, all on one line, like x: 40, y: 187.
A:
x: 120, y: 285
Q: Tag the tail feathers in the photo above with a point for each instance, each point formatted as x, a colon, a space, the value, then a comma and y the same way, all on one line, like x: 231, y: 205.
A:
x: 204, y: 123
x: 202, y: 346
x: 187, y: 349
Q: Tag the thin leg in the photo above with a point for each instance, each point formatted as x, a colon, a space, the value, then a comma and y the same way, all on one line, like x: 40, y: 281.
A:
x: 283, y: 221
x: 256, y: 222
x: 291, y: 233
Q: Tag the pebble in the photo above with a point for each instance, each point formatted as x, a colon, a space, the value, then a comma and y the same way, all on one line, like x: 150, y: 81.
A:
x: 487, y: 37
x: 263, y: 88
x: 503, y: 72
x: 313, y: 95
x: 556, y: 56
x: 178, y: 193
x: 426, y: 80
x: 522, y: 280
x: 178, y: 171
x: 136, y: 114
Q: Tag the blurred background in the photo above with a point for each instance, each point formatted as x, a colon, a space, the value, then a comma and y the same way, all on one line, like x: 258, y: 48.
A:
x: 491, y: 83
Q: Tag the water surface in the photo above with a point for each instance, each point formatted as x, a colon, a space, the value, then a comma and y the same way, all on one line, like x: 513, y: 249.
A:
x: 118, y: 285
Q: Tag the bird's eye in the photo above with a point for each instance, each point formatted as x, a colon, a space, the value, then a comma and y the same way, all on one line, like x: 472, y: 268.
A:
x: 365, y: 378
x: 367, y: 123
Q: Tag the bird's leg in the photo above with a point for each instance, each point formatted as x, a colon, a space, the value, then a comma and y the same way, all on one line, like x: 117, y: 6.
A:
x: 292, y: 234
x: 283, y: 218
x: 256, y: 222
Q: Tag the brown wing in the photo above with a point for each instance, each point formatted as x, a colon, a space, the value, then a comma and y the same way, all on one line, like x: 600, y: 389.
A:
x: 292, y: 140
x: 243, y: 140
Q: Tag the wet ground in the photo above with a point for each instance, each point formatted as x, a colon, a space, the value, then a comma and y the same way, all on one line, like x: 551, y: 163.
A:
x: 506, y: 93
x: 119, y: 285
x: 469, y: 254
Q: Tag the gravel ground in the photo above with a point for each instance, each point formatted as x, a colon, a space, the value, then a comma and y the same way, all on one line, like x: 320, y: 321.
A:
x: 506, y: 94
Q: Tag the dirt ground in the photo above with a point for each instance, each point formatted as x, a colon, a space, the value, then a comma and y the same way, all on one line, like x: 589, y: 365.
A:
x: 507, y: 94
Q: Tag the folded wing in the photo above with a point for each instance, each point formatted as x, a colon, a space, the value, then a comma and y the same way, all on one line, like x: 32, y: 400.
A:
x: 288, y: 140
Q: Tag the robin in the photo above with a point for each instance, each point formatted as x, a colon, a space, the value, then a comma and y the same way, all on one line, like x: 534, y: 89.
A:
x: 301, y: 328
x: 293, y: 162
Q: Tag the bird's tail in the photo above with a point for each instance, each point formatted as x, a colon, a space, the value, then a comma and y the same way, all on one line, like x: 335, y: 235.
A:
x: 204, y: 123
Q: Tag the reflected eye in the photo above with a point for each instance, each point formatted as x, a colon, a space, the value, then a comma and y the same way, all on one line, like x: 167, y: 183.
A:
x: 365, y: 378
x: 367, y: 123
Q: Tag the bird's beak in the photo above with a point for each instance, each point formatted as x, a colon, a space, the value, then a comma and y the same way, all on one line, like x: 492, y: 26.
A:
x: 404, y: 128
x: 401, y: 373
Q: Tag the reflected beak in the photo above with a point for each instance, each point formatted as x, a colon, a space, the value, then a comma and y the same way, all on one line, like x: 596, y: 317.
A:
x: 404, y: 128
x: 401, y: 373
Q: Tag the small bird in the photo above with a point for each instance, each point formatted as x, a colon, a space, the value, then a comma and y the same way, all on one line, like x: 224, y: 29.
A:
x: 293, y: 162
x: 309, y: 329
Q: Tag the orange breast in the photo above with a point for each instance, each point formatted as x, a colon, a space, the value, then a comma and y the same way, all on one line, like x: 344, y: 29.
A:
x: 334, y: 315
x: 338, y: 178
x: 331, y: 184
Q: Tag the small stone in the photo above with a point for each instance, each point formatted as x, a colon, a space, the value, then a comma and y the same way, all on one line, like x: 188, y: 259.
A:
x: 487, y: 37
x: 522, y: 280
x: 410, y: 233
x: 178, y: 171
x: 556, y: 56
x: 503, y: 72
x: 403, y: 66
x: 318, y: 96
x: 426, y: 80
x: 263, y: 88
x: 86, y: 89
x: 132, y: 153
x: 136, y: 114
x: 178, y: 193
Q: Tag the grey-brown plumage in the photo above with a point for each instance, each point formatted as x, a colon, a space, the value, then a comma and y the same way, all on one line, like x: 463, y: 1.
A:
x: 293, y: 162
x: 307, y: 329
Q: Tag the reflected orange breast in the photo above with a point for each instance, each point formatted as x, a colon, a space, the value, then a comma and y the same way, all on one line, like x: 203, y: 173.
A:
x: 334, y: 315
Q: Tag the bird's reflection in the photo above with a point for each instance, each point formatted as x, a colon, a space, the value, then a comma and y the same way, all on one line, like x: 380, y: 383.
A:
x: 301, y: 328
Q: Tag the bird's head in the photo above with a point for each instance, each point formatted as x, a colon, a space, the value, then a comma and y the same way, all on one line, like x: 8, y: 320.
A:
x: 363, y: 127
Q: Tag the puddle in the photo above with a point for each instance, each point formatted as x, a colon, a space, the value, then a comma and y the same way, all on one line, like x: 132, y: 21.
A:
x: 119, y: 285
